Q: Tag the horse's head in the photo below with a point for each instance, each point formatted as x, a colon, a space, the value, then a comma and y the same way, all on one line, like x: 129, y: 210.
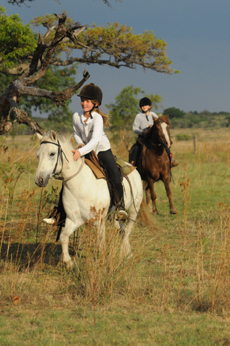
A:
x: 50, y: 158
x: 160, y: 131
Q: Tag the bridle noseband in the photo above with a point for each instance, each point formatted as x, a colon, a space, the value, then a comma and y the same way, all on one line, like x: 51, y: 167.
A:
x: 60, y: 154
x: 158, y: 138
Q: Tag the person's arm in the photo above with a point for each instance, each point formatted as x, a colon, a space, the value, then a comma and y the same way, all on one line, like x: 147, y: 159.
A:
x: 76, y: 133
x: 154, y: 115
x: 136, y: 126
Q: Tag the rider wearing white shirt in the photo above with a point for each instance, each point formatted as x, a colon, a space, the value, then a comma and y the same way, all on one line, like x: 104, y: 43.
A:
x: 88, y: 129
x: 90, y: 133
x: 141, y: 126
x: 143, y: 121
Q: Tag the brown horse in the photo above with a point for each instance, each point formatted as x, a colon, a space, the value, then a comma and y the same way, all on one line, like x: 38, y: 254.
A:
x: 154, y: 162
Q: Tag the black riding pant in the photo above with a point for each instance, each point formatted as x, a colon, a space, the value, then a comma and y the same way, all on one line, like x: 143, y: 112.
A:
x: 108, y: 161
x: 136, y: 151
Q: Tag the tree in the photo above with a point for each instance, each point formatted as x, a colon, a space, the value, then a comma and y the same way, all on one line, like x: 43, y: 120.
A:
x: 31, y: 60
x: 174, y: 112
x: 126, y: 106
x: 18, y: 2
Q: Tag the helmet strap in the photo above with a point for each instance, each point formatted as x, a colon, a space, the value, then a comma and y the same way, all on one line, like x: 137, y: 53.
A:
x: 91, y: 110
x: 145, y: 112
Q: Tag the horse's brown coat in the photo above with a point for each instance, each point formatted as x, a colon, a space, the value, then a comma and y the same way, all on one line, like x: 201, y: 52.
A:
x: 156, y: 163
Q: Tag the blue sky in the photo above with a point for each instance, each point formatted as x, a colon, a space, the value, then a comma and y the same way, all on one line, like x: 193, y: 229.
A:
x: 197, y: 33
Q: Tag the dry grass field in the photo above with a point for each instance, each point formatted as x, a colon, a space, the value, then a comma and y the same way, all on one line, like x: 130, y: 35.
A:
x: 173, y: 290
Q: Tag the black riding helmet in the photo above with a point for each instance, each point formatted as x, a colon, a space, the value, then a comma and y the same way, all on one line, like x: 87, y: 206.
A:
x: 91, y: 92
x: 145, y: 101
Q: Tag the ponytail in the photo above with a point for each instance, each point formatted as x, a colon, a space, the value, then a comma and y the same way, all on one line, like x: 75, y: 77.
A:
x: 105, y: 117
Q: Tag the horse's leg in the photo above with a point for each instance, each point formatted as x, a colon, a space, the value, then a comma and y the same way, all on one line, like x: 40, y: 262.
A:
x: 153, y: 195
x: 69, y: 228
x: 133, y: 211
x: 100, y: 226
x: 169, y: 194
x: 125, y: 246
x: 147, y: 193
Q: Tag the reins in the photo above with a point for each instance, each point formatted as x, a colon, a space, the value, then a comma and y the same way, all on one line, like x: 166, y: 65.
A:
x: 60, y: 154
x: 156, y: 135
x: 161, y: 143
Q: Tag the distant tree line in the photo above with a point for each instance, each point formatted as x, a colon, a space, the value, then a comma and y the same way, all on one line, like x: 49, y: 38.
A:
x: 193, y: 119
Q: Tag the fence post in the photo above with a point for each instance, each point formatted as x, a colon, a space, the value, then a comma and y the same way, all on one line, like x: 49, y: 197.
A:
x: 195, y: 144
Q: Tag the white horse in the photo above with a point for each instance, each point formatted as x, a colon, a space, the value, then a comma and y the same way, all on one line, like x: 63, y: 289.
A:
x: 84, y: 197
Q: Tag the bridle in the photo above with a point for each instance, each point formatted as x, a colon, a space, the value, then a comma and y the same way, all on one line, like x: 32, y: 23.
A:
x: 158, y: 138
x: 61, y: 154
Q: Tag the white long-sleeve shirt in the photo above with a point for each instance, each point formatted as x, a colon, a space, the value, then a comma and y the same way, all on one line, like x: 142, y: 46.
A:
x: 142, y: 121
x: 91, y: 133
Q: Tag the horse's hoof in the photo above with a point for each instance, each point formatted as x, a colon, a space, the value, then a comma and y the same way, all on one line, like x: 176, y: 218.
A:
x: 69, y: 264
x: 173, y: 212
x: 155, y: 212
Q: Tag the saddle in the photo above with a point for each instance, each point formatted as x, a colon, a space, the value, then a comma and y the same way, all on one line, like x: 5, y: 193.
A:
x: 93, y: 162
x: 124, y: 170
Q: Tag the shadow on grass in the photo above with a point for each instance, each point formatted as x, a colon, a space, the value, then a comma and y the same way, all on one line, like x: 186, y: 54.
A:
x: 26, y: 255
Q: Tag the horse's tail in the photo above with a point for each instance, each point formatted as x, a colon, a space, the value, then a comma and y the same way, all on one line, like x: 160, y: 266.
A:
x: 146, y: 216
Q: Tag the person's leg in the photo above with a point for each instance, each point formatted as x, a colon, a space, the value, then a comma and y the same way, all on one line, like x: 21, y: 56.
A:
x: 172, y: 160
x: 108, y: 160
x: 135, y: 153
x: 58, y: 213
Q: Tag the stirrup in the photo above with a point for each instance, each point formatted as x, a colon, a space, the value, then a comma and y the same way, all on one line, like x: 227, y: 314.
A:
x: 174, y: 163
x: 121, y: 215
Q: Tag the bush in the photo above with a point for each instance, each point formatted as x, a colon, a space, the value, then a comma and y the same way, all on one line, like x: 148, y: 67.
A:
x: 183, y: 137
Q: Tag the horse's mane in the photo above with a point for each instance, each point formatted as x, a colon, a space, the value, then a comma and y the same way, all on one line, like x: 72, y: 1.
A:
x: 163, y: 118
x: 65, y: 139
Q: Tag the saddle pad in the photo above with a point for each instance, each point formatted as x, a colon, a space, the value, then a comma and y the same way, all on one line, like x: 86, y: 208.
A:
x: 97, y: 172
x: 126, y: 167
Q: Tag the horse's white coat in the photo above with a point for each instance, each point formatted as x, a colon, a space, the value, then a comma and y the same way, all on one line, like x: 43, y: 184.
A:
x: 84, y: 196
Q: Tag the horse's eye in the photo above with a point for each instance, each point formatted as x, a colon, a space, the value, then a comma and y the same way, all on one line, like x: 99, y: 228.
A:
x: 52, y: 154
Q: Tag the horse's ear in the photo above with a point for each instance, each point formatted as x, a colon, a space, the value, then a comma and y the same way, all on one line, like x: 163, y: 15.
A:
x: 39, y: 136
x: 53, y: 135
x: 167, y: 119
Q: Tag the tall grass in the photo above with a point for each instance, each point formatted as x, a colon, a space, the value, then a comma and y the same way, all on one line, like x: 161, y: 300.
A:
x: 181, y: 265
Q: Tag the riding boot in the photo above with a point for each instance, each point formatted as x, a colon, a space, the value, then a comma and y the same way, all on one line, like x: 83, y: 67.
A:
x: 134, y: 154
x: 121, y: 214
x: 173, y: 162
x: 58, y: 215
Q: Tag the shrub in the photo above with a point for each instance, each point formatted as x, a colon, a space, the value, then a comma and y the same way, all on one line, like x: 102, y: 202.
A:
x: 183, y: 137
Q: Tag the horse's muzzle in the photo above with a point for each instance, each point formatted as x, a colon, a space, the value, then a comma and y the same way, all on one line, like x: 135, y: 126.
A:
x: 41, y: 182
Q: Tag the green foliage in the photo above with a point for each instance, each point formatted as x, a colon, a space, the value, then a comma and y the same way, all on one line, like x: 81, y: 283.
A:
x: 16, y: 40
x: 183, y: 137
x: 16, y: 43
x: 123, y: 111
x: 174, y: 112
x: 116, y: 45
x: 126, y: 106
x: 203, y: 119
x: 127, y: 49
x: 55, y: 79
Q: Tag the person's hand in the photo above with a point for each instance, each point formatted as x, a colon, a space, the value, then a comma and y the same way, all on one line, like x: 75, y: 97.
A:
x: 144, y: 132
x: 76, y: 154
